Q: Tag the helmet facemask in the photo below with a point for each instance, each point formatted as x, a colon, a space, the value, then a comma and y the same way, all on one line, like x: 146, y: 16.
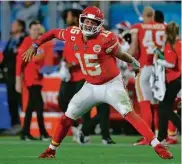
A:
x: 90, y: 30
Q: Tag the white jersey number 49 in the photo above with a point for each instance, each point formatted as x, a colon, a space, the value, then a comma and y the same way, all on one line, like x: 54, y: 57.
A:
x: 149, y: 43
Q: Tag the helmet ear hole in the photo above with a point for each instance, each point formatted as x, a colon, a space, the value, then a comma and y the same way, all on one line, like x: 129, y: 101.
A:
x: 82, y: 19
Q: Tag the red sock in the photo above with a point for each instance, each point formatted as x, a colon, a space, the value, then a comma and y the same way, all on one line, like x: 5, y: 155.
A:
x: 61, y: 130
x: 155, y: 108
x: 139, y: 124
x: 172, y: 130
x: 146, y: 113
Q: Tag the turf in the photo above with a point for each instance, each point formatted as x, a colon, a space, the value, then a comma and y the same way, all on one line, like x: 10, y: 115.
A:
x: 14, y: 151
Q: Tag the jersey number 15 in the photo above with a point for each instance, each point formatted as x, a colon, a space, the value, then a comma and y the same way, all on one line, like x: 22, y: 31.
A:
x: 91, y: 68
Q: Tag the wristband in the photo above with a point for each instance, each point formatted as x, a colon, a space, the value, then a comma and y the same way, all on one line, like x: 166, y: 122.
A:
x: 135, y: 63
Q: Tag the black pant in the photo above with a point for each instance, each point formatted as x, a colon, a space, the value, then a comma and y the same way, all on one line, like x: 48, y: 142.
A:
x: 67, y: 91
x: 35, y: 102
x: 14, y: 100
x: 102, y: 118
x: 166, y: 111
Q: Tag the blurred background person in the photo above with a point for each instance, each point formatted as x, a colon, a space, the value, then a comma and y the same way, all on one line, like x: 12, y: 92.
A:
x: 28, y: 12
x: 29, y: 73
x: 172, y: 62
x: 159, y: 18
x: 172, y: 130
x: 144, y: 36
x: 122, y: 30
x: 9, y: 65
x: 69, y: 88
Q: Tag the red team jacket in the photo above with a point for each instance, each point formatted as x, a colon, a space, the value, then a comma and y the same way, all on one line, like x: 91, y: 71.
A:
x: 69, y: 56
x: 173, y: 57
x: 95, y: 56
x: 30, y: 70
x: 147, y: 34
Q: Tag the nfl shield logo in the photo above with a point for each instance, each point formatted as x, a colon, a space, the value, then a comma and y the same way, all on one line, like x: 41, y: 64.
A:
x: 97, y: 48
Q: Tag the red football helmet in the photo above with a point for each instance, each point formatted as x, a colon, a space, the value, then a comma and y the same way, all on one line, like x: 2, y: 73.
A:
x: 123, y: 31
x: 123, y: 26
x: 92, y: 13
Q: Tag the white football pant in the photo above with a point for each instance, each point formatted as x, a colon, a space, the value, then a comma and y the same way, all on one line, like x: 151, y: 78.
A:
x: 142, y: 85
x: 112, y: 92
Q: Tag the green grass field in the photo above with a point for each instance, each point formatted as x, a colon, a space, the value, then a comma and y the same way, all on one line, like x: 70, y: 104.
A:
x: 14, y: 151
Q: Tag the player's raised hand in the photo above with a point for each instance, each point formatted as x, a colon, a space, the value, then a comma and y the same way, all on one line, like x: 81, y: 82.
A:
x: 27, y: 56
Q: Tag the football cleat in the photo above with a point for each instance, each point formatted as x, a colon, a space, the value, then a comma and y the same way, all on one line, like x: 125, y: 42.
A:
x: 108, y: 141
x: 142, y: 141
x: 75, y: 132
x: 171, y: 141
x: 45, y: 138
x: 82, y: 139
x: 163, y: 152
x: 27, y: 138
x: 48, y: 153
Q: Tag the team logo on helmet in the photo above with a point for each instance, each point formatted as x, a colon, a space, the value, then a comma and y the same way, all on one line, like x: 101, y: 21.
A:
x: 97, y: 48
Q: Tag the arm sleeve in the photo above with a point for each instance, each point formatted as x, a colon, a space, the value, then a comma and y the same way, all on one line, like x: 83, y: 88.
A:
x: 170, y: 57
x: 20, y: 64
x: 57, y: 33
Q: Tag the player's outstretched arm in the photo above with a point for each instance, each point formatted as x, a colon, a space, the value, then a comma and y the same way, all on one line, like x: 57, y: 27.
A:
x: 125, y: 56
x: 32, y: 50
x: 129, y: 59
x: 134, y: 45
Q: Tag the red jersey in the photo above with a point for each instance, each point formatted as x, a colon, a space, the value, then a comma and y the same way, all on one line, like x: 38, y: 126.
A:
x: 173, y: 57
x: 69, y: 56
x: 95, y: 56
x: 149, y: 36
x: 30, y: 70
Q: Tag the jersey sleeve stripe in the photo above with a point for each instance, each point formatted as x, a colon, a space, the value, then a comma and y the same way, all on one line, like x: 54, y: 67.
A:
x: 108, y: 50
x: 61, y: 34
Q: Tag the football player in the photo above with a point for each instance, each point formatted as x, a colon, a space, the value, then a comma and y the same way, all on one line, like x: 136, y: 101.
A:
x: 145, y: 36
x: 96, y: 51
x: 122, y: 30
x: 70, y: 88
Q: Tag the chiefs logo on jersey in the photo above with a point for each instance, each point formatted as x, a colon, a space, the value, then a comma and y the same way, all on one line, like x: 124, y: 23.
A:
x: 97, y: 48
